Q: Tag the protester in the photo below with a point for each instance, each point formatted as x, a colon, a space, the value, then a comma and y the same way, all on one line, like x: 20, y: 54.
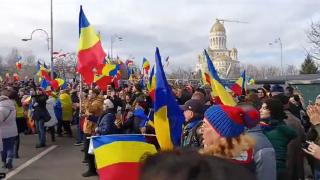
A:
x: 53, y: 121
x: 93, y: 110
x: 8, y: 127
x: 40, y: 115
x: 224, y: 136
x: 190, y: 165
x: 193, y: 113
x: 264, y: 153
x: 295, y: 155
x: 66, y: 113
x: 279, y: 134
x: 20, y: 120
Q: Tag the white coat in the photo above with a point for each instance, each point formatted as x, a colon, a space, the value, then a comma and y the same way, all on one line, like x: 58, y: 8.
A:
x: 50, y: 107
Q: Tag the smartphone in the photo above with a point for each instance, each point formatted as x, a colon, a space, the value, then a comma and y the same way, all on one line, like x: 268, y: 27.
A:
x: 305, y: 145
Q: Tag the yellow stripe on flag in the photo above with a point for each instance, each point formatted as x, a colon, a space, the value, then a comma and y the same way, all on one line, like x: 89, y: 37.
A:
x: 88, y: 38
x: 162, y: 128
x: 225, y: 97
x: 122, y: 151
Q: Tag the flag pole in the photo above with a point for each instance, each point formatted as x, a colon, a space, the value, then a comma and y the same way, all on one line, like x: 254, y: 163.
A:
x: 80, y: 99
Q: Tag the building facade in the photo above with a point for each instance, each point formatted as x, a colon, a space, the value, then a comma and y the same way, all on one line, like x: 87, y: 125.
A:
x: 225, y: 60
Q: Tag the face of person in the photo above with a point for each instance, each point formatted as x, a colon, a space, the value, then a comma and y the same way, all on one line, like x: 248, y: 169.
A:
x: 209, y: 135
x: 91, y: 94
x: 260, y: 93
x: 188, y: 115
x: 264, y: 111
x: 128, y: 99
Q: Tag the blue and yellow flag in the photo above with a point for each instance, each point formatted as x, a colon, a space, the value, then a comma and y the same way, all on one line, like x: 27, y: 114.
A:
x: 168, y: 117
x: 217, y: 85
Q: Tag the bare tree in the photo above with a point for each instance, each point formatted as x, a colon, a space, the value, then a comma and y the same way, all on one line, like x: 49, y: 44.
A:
x: 65, y: 66
x: 314, y: 38
x: 291, y: 70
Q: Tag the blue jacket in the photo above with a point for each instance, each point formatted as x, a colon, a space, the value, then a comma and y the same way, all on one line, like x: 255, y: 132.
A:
x: 264, y: 155
x: 106, y: 124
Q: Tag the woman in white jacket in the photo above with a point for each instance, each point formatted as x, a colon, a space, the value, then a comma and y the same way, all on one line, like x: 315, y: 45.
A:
x: 53, y: 121
x: 8, y: 126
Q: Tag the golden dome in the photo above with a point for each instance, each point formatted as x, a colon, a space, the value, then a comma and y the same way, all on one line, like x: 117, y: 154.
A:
x: 218, y: 27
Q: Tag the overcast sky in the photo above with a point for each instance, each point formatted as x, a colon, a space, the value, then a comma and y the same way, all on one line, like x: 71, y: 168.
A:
x: 180, y: 28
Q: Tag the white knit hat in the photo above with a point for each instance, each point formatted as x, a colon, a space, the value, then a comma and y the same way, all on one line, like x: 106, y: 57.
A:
x: 108, y: 104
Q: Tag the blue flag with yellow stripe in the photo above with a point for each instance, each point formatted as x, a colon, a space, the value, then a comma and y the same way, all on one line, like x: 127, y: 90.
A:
x: 168, y: 118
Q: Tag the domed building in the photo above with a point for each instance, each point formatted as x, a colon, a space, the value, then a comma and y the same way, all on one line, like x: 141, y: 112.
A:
x: 225, y: 61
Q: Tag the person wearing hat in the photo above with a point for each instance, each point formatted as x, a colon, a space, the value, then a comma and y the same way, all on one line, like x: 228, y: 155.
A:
x: 263, y: 152
x: 276, y: 89
x: 106, y: 123
x: 193, y: 113
x: 223, y: 135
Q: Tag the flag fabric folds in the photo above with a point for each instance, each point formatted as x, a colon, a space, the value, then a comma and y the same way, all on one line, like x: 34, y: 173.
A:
x: 145, y: 66
x: 239, y: 86
x: 118, y: 156
x: 90, y: 53
x: 168, y: 117
x: 217, y: 85
x: 152, y: 84
x: 18, y: 65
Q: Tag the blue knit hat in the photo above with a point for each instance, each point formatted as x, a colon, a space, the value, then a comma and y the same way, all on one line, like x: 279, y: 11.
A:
x: 230, y: 121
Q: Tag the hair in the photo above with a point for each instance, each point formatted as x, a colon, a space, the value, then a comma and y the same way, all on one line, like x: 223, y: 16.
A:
x: 230, y: 147
x: 10, y: 93
x: 187, y: 165
x: 199, y: 96
x: 201, y: 90
x: 290, y: 89
x: 267, y: 87
x: 96, y: 91
x: 138, y: 87
x: 263, y: 90
x: 275, y: 107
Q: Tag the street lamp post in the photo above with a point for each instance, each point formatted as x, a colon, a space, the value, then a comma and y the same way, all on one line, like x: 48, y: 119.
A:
x: 278, y: 40
x: 50, y: 46
x: 112, y: 40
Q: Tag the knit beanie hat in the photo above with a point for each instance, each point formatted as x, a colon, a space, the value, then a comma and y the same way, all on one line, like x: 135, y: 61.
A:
x: 230, y: 121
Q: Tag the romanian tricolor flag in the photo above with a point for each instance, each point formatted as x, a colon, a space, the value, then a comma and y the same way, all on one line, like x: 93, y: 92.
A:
x: 145, y: 66
x: 204, y: 73
x: 239, y: 86
x: 250, y: 81
x: 19, y: 65
x: 119, y: 156
x: 168, y: 117
x: 57, y: 83
x: 15, y: 77
x: 103, y: 81
x: 111, y: 69
x: 42, y: 71
x: 152, y: 84
x: 90, y: 54
x: 216, y: 84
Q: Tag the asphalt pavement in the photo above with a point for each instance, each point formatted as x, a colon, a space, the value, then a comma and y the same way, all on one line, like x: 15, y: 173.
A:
x: 60, y: 160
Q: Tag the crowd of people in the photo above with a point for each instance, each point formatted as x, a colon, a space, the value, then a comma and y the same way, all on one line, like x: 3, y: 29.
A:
x: 269, y: 135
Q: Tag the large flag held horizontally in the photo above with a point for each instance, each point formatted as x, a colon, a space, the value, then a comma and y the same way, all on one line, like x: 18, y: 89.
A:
x: 217, y: 85
x: 90, y: 53
x: 239, y: 86
x: 119, y: 156
x: 168, y: 117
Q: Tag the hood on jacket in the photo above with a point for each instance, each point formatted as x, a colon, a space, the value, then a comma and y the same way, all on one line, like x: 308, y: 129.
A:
x: 6, y: 102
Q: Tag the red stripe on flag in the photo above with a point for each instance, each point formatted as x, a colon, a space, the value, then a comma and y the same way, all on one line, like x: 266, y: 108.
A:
x: 90, y: 58
x: 120, y: 171
x: 236, y: 89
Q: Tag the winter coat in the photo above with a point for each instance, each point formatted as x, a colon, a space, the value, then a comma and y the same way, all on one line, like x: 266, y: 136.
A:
x: 106, y: 124
x: 279, y: 134
x: 93, y: 109
x: 39, y: 103
x: 191, y: 137
x: 50, y: 107
x: 264, y: 155
x: 66, y: 106
x: 295, y: 155
x: 8, y: 125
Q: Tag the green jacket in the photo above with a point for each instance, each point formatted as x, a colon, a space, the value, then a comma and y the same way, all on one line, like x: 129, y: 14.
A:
x: 279, y: 134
